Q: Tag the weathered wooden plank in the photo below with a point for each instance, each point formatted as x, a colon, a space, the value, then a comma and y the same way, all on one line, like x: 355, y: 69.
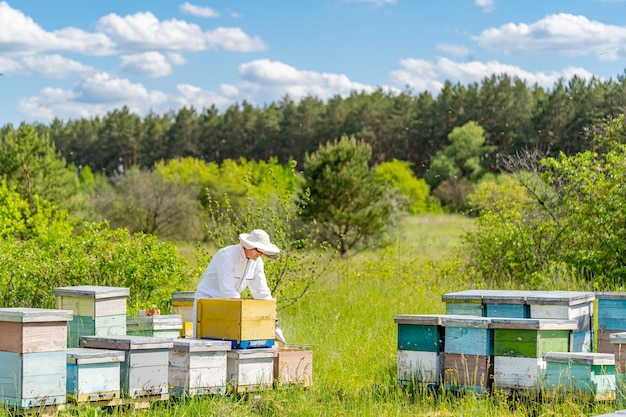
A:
x: 427, y: 338
x: 293, y: 367
x: 468, y: 336
x: 421, y: 367
x: 507, y: 310
x: 34, y: 315
x: 529, y: 343
x: 93, y: 377
x: 127, y: 342
x: 533, y: 324
x: 32, y: 379
x: 251, y: 369
x: 517, y: 372
x: 418, y: 319
x: 467, y: 371
x: 465, y: 309
x: 577, y: 372
x: 30, y: 337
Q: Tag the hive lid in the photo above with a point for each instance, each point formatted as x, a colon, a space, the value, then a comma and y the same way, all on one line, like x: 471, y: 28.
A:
x: 569, y: 298
x: 92, y: 291
x: 585, y: 358
x: 419, y: 319
x: 33, y: 315
x: 456, y: 320
x: 201, y: 345
x: 128, y: 342
x: 538, y: 324
x: 255, y: 353
x: 81, y: 356
x: 183, y: 296
x: 611, y: 296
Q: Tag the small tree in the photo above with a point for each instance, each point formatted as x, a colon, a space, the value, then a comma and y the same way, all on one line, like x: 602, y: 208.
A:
x: 301, y: 261
x: 415, y: 191
x: 462, y: 157
x: 347, y: 198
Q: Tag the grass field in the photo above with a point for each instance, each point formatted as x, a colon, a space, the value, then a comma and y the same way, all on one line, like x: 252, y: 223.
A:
x: 347, y: 319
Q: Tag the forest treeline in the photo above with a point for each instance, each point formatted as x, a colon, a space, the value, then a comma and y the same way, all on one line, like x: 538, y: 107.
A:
x: 408, y: 127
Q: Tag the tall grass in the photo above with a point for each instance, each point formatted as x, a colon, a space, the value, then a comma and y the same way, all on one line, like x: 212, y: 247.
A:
x: 347, y: 320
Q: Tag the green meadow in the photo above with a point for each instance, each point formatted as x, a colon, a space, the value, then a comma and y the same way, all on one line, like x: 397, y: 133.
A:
x: 347, y: 320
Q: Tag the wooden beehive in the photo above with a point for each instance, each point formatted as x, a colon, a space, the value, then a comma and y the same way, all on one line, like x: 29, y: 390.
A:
x: 198, y: 367
x: 251, y: 369
x: 464, y: 303
x: 468, y: 372
x: 507, y: 304
x: 98, y: 310
x: 420, y: 348
x: 168, y: 325
x: 182, y: 303
x: 519, y: 346
x: 29, y: 380
x: 245, y: 322
x: 611, y: 318
x: 586, y: 374
x: 30, y: 330
x: 32, y: 356
x: 567, y: 305
x: 418, y: 367
x: 93, y: 375
x: 144, y: 370
x: 420, y: 332
x: 467, y: 335
x: 293, y: 366
x: 531, y: 338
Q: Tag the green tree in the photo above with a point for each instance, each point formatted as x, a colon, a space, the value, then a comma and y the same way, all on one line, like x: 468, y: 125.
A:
x: 347, y: 199
x: 416, y: 192
x: 149, y: 202
x: 564, y: 219
x: 30, y: 162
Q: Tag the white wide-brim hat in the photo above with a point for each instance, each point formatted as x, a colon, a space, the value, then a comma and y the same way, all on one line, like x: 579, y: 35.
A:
x: 260, y: 240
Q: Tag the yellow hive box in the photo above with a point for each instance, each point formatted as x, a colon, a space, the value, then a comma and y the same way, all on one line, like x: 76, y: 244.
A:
x: 237, y: 319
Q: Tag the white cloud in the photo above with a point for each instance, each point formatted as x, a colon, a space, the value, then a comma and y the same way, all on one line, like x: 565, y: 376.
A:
x: 198, y: 11
x: 94, y: 96
x: 486, y: 5
x: 20, y: 35
x: 151, y: 64
x: 454, y: 50
x: 105, y: 88
x: 562, y: 33
x: 142, y: 31
x: 9, y: 65
x: 234, y: 39
x: 274, y: 79
x: 422, y: 75
x: 54, y: 66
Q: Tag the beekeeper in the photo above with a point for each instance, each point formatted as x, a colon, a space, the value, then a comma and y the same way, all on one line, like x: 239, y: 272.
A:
x: 235, y: 268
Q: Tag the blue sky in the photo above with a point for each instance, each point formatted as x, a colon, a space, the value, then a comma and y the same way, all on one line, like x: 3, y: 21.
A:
x: 72, y: 59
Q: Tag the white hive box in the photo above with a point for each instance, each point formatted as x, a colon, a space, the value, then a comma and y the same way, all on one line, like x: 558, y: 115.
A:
x: 198, y: 367
x: 98, y: 310
x: 93, y: 374
x: 32, y: 356
x: 251, y: 369
x: 168, y: 325
x: 144, y: 371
